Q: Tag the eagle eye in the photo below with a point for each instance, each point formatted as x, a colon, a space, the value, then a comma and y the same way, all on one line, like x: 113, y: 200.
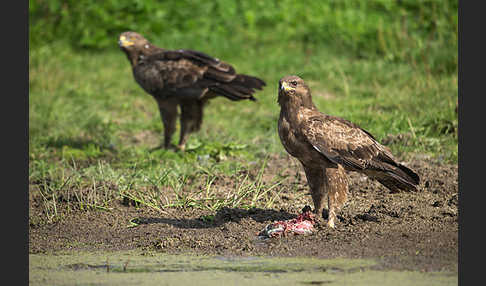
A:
x: 294, y: 83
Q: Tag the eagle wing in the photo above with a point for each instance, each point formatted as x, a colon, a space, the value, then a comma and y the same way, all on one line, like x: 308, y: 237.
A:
x: 192, y: 74
x: 185, y: 68
x: 345, y: 143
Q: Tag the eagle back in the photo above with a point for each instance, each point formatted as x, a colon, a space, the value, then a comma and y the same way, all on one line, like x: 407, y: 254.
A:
x: 160, y: 76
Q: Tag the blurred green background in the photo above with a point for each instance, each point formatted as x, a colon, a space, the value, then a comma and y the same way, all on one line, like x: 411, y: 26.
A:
x: 416, y: 32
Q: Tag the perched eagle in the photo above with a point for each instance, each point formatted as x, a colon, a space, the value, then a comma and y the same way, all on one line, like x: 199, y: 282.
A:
x: 328, y: 146
x: 183, y: 78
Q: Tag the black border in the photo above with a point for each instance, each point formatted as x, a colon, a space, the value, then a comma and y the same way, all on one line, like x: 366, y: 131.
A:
x: 15, y: 138
x: 471, y: 49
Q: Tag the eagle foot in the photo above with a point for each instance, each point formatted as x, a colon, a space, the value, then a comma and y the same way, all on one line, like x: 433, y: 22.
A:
x: 181, y: 147
x: 163, y: 146
x: 324, y: 216
x: 330, y: 223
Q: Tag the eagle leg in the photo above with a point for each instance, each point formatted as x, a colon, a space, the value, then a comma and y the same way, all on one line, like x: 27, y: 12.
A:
x: 315, y: 180
x: 327, y: 183
x: 191, y: 119
x: 168, y: 114
x: 337, y: 185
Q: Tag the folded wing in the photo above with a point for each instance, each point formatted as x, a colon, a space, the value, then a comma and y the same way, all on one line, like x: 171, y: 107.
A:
x: 345, y: 143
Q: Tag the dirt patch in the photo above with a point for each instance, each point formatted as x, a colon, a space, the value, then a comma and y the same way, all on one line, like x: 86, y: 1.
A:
x: 405, y: 231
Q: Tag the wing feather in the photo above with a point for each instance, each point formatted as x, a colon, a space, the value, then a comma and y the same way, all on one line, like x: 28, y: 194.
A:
x: 343, y: 142
x: 205, y: 65
x: 192, y: 74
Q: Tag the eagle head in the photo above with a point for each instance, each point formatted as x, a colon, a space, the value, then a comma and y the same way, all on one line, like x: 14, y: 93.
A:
x: 292, y: 88
x: 288, y: 84
x: 132, y: 40
x: 135, y: 46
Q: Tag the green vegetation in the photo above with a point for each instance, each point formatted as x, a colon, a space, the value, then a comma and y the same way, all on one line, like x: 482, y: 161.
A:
x: 389, y: 66
x: 419, y: 32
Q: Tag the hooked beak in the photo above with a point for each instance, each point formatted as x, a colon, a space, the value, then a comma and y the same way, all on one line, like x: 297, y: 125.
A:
x: 124, y: 42
x: 284, y: 86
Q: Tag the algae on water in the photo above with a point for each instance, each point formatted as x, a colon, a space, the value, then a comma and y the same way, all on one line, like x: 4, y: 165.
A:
x: 133, y: 268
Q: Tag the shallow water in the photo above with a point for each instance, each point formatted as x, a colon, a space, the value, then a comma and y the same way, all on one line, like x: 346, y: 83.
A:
x: 135, y: 268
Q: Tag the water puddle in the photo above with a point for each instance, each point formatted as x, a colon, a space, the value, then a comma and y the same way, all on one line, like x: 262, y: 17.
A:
x: 134, y: 268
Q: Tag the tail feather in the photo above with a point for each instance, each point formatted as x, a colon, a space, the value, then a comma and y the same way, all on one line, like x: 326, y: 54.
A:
x: 241, y: 87
x: 230, y: 93
x: 412, y: 176
x: 249, y: 81
x: 398, y: 178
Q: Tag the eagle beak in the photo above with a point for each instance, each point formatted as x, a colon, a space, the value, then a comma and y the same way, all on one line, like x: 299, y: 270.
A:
x: 284, y: 86
x: 123, y: 42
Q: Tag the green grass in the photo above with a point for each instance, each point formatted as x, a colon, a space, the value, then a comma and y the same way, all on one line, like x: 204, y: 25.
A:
x: 91, y: 126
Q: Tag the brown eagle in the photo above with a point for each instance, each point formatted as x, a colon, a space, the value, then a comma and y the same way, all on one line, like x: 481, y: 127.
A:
x: 328, y: 146
x: 183, y: 78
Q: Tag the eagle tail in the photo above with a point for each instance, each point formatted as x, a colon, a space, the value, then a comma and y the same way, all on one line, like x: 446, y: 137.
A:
x: 241, y: 87
x: 399, y: 178
x: 248, y: 81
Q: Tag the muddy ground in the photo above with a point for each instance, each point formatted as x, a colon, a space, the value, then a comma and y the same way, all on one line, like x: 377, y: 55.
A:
x: 403, y: 231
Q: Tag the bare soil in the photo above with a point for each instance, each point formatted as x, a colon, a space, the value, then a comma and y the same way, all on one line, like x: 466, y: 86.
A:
x: 403, y: 231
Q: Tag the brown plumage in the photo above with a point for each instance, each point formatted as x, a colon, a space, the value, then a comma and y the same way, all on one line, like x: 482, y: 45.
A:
x: 183, y: 78
x: 328, y: 146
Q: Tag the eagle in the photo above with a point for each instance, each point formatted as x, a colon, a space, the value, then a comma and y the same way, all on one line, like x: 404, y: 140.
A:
x: 184, y: 78
x: 328, y: 146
